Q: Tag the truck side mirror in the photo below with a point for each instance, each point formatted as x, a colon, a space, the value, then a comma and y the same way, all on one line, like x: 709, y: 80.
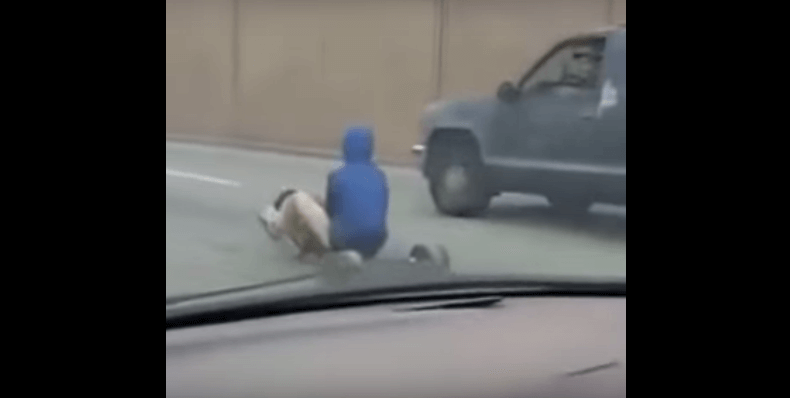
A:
x: 507, y: 92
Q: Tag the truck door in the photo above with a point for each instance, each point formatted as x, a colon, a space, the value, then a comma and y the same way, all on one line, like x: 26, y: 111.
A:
x: 610, y: 132
x: 557, y: 107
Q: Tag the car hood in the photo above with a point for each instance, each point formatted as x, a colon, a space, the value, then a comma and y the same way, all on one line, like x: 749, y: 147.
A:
x: 459, y: 108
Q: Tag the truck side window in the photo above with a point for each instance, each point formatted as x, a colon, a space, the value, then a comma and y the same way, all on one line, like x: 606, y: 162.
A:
x: 583, y: 68
x: 576, y: 65
x: 551, y: 72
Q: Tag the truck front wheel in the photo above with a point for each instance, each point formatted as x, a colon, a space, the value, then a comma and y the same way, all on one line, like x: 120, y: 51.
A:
x: 457, y: 181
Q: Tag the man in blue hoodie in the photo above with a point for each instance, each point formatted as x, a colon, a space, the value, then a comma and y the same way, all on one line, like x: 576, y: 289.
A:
x: 357, y: 198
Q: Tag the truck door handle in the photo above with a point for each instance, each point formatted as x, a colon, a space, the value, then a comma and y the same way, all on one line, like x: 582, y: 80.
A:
x: 588, y: 115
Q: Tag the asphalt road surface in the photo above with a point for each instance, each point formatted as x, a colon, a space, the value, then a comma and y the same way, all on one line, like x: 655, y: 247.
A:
x: 213, y: 239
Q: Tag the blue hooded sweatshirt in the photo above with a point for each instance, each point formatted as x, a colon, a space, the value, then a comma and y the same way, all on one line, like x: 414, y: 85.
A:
x: 357, y: 198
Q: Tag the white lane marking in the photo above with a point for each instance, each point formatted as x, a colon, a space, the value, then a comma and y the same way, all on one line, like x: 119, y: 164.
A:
x: 199, y: 177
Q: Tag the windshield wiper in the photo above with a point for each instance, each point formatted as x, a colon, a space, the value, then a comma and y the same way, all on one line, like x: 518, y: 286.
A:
x: 333, y: 277
x: 479, y: 302
x: 239, y: 289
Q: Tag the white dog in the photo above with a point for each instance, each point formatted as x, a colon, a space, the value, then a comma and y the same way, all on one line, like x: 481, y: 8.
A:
x: 299, y: 216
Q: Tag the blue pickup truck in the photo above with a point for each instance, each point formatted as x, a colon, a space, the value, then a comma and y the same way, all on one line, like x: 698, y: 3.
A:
x: 558, y: 131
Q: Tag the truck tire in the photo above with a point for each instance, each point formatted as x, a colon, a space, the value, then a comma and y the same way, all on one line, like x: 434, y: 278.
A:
x: 457, y: 180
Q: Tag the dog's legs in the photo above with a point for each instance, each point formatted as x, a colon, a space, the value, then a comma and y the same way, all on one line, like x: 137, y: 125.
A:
x: 271, y: 219
x: 349, y: 258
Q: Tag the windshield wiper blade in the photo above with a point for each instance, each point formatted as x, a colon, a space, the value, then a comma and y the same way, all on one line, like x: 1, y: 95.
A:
x: 333, y: 276
x: 477, y: 302
x: 238, y: 289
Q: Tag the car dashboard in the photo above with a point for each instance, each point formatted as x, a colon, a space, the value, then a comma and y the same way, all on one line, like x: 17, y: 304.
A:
x: 522, y: 347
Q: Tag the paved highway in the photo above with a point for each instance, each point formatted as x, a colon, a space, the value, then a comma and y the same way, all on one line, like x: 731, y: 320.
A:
x: 213, y: 239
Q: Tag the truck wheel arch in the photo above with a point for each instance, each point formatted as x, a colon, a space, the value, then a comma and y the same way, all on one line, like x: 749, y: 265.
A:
x: 441, y: 139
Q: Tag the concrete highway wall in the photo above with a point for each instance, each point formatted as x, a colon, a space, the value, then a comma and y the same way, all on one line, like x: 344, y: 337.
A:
x: 294, y: 73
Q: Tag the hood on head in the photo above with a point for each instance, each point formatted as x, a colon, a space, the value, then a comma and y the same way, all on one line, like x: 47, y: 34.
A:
x: 358, y: 145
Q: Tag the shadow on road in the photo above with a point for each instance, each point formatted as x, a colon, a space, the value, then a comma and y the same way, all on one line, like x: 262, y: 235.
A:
x: 601, y: 221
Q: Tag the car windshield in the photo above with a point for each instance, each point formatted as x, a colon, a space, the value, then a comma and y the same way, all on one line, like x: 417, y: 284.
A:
x: 301, y: 134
